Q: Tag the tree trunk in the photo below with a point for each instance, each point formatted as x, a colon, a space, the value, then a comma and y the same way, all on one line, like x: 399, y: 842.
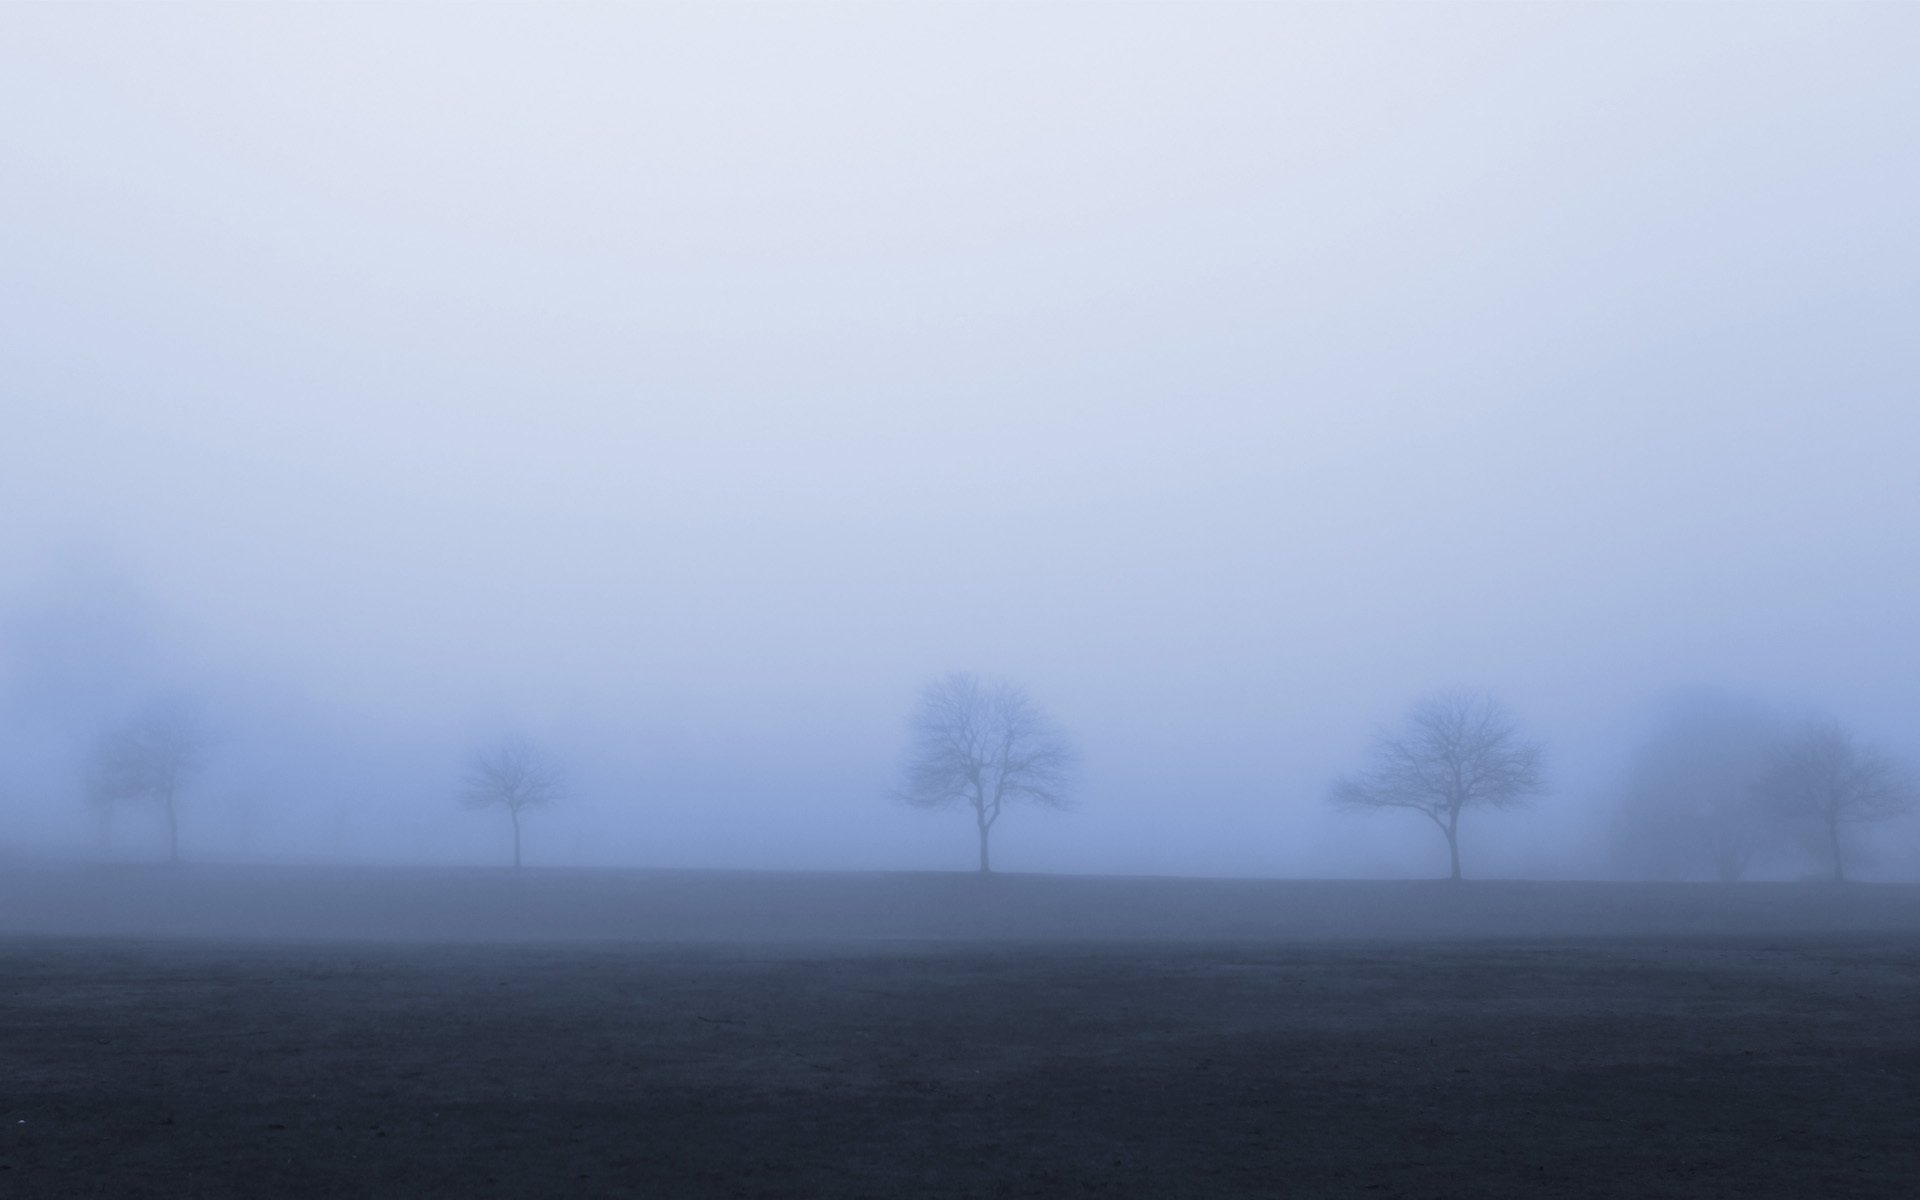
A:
x: 1453, y: 851
x: 1833, y: 842
x: 516, y: 838
x: 984, y: 827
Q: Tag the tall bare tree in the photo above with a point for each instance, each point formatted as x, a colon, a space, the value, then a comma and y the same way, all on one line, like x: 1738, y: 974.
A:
x: 149, y: 759
x: 984, y: 745
x: 1829, y: 778
x: 1454, y: 750
x: 515, y: 774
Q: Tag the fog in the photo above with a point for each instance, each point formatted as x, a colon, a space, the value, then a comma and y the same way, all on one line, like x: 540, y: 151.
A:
x: 688, y: 387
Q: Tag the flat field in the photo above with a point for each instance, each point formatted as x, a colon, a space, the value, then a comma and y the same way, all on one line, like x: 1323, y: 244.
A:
x: 245, y: 1033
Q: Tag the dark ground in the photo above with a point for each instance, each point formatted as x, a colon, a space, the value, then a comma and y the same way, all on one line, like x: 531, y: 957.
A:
x: 945, y: 1036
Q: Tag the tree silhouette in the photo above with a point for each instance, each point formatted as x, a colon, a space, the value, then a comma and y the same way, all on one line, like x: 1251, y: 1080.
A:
x: 1830, y: 778
x: 984, y: 746
x: 515, y: 774
x: 1454, y: 750
x: 148, y: 760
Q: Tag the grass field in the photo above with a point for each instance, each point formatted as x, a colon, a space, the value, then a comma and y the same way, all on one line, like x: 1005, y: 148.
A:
x: 361, y: 1033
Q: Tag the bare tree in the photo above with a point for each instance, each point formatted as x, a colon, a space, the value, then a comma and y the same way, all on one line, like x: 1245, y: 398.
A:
x: 1455, y: 750
x: 148, y: 760
x: 984, y: 746
x: 1688, y: 807
x: 516, y: 774
x: 1829, y: 778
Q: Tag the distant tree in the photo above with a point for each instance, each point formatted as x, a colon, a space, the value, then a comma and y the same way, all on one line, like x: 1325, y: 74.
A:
x: 149, y: 760
x: 984, y: 746
x: 515, y: 774
x: 1830, y: 780
x: 1453, y: 751
x: 1688, y: 807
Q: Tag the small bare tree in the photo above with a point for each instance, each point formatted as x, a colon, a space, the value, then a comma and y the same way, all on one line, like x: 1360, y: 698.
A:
x: 148, y: 760
x: 1455, y: 750
x: 984, y: 746
x: 1831, y: 779
x: 516, y: 774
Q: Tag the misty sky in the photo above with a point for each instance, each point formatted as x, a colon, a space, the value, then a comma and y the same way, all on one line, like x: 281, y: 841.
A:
x: 689, y: 385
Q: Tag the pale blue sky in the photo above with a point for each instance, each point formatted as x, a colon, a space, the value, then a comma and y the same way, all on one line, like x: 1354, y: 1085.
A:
x: 691, y: 383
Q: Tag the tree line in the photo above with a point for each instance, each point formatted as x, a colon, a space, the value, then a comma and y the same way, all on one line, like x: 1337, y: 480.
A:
x: 1714, y: 789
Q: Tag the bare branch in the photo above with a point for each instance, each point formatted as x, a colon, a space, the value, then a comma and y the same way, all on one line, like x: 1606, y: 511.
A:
x: 148, y: 759
x: 515, y: 773
x: 1827, y: 776
x: 983, y: 746
x: 1454, y: 750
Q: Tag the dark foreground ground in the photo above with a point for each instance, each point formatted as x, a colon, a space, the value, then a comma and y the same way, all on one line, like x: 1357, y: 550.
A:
x: 1536, y: 1055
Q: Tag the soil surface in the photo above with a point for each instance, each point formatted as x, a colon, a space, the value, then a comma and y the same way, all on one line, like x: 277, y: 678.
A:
x: 1540, y: 1063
